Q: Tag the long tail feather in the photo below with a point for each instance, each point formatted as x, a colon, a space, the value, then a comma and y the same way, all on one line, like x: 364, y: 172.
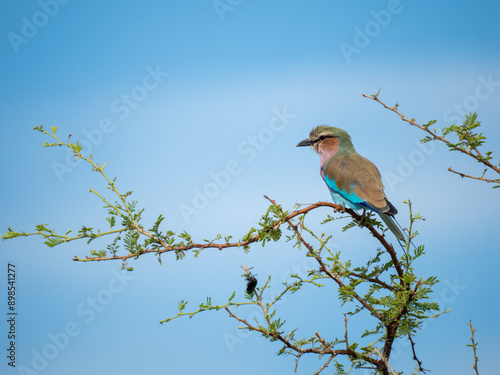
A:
x: 391, y: 224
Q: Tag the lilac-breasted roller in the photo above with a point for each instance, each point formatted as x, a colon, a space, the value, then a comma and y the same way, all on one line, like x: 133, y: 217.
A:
x: 353, y: 180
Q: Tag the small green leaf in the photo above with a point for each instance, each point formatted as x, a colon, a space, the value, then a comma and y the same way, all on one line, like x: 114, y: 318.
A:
x: 42, y: 228
x: 53, y: 241
x: 112, y: 221
x: 432, y: 122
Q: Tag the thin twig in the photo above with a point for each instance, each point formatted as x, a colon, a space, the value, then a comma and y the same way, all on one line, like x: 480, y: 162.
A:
x: 321, y: 340
x: 374, y: 280
x: 325, y: 365
x: 287, y: 343
x: 474, y: 345
x: 481, y: 178
x: 345, y: 329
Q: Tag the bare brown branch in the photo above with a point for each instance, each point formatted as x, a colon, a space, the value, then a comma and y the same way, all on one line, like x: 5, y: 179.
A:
x: 481, y: 178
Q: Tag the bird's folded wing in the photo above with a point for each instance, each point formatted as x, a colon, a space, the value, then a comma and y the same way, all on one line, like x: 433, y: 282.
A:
x: 358, y: 179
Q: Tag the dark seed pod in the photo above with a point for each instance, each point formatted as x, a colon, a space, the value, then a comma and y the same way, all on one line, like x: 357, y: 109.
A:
x: 251, y: 284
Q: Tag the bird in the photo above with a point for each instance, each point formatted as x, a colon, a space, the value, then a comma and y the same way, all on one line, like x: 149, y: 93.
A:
x: 353, y: 180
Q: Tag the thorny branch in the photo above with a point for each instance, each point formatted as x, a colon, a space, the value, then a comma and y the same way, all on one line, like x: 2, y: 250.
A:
x: 324, y: 348
x: 298, y: 350
x: 326, y: 271
x: 470, y: 151
x: 391, y: 326
x: 481, y: 178
x: 220, y: 246
x: 419, y: 362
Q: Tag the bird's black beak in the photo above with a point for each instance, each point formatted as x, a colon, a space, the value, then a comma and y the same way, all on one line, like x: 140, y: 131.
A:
x: 305, y: 142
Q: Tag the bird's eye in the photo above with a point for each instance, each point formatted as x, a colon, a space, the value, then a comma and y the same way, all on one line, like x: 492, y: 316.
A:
x: 321, y: 137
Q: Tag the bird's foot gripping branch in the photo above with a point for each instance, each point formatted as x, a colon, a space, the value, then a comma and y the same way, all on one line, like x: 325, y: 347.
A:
x: 382, y: 294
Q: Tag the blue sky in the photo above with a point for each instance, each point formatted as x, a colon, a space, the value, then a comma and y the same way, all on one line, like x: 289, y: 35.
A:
x: 172, y: 93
